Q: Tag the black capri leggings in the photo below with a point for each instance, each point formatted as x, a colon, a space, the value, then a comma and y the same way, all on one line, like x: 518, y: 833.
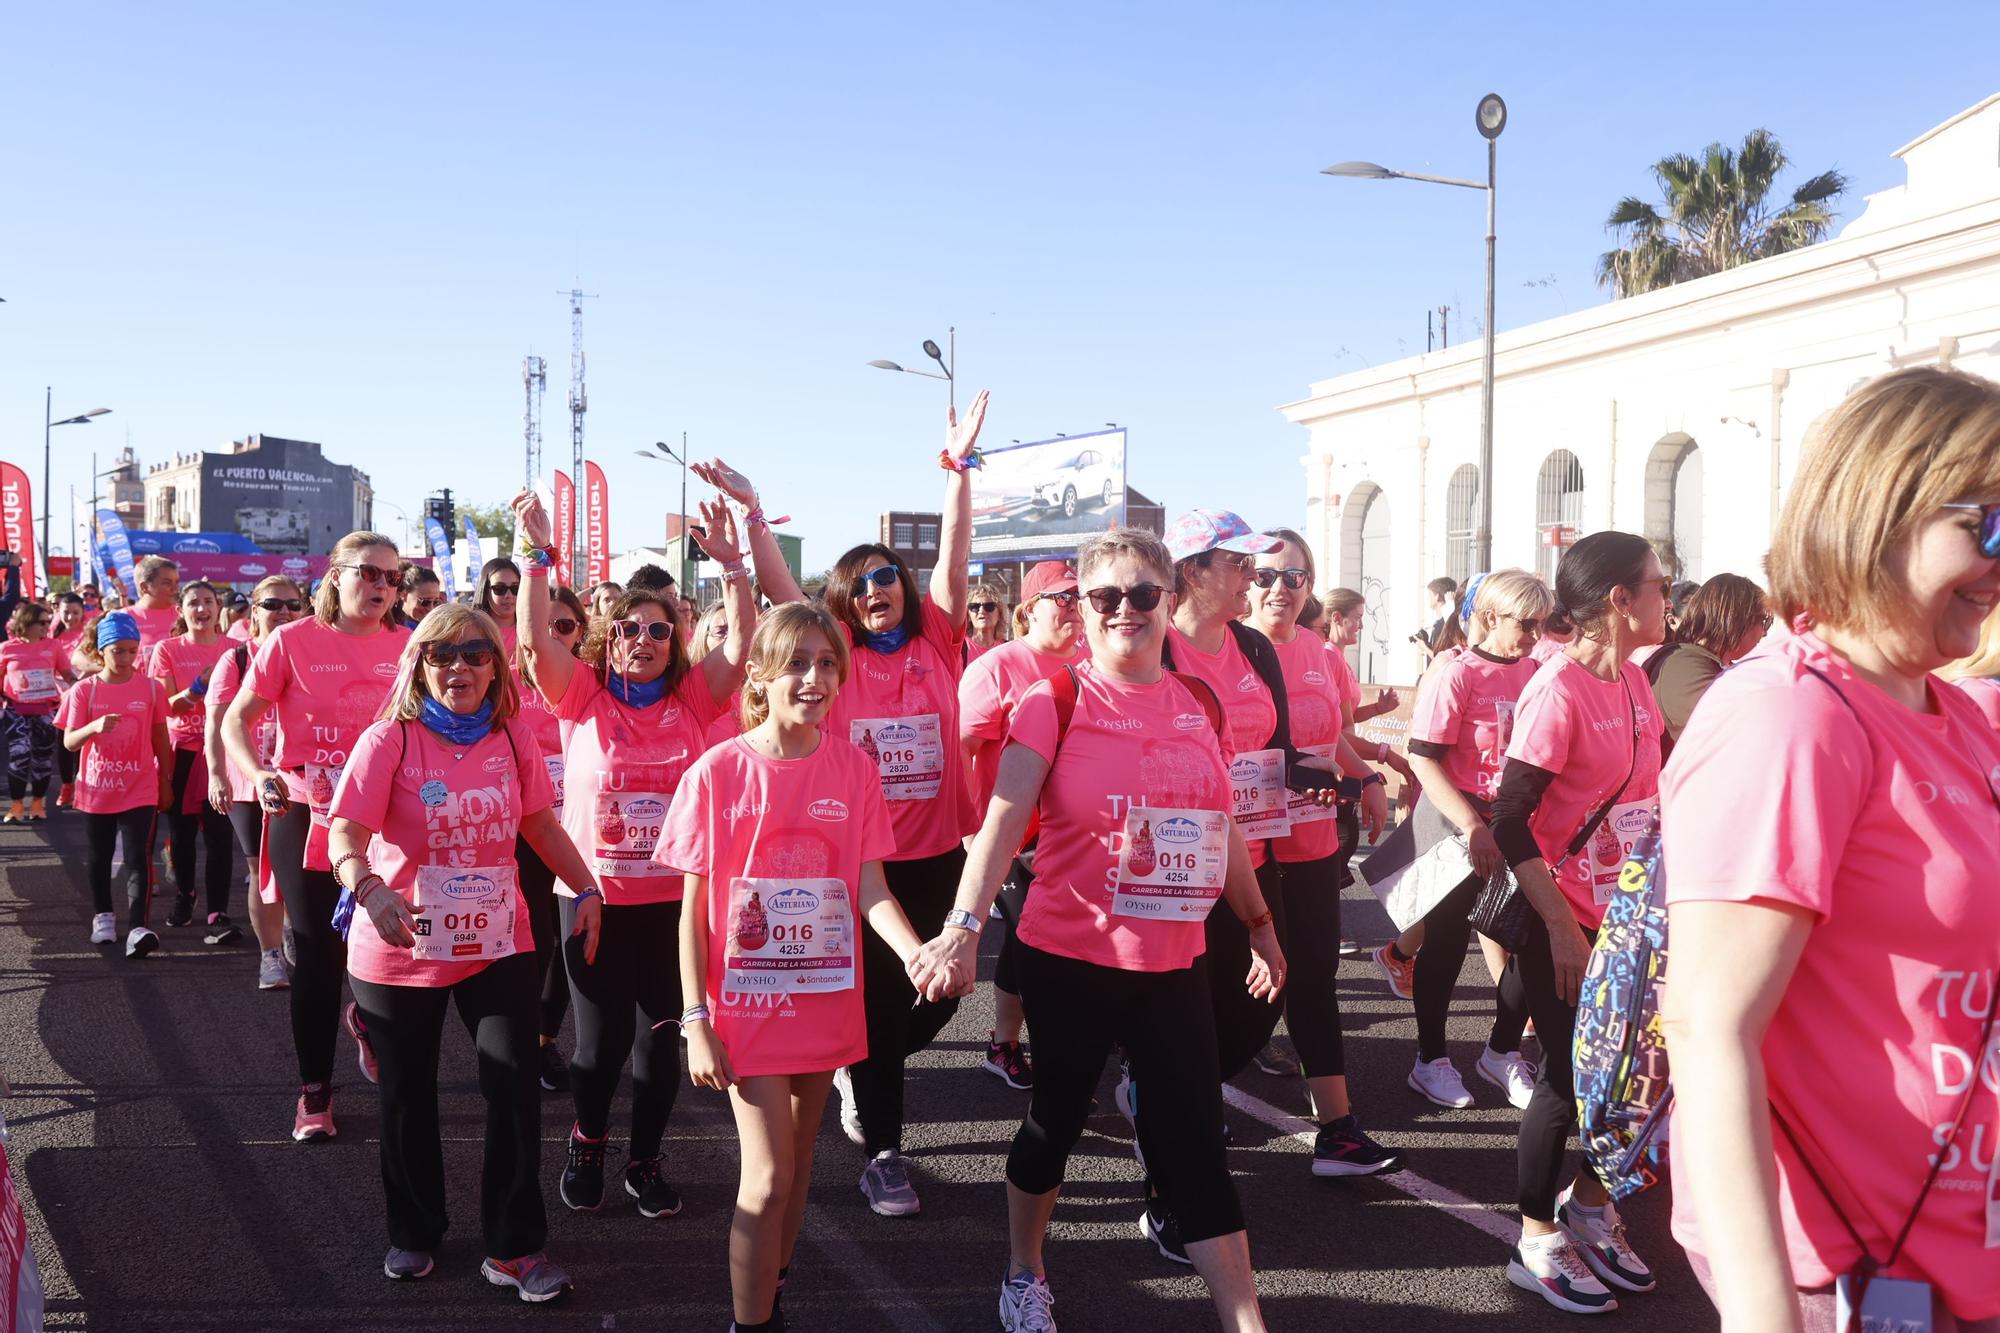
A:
x: 201, y: 825
x: 634, y: 984
x: 899, y: 1024
x: 1546, y: 1124
x: 1242, y: 1022
x: 1013, y: 897
x: 1311, y: 941
x: 247, y: 819
x: 1439, y: 962
x: 538, y: 886
x: 320, y: 953
x: 1079, y: 1011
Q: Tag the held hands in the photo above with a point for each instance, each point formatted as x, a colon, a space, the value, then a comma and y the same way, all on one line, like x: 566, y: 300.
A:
x: 946, y: 966
x: 534, y: 520
x: 718, y: 536
x: 395, y: 920
x: 590, y: 924
x: 1267, y: 964
x: 708, y: 1062
x: 961, y: 437
x: 727, y: 480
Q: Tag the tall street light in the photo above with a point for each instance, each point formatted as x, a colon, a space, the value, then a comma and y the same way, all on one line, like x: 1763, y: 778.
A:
x: 944, y: 363
x: 1490, y: 119
x: 680, y: 458
x: 49, y: 423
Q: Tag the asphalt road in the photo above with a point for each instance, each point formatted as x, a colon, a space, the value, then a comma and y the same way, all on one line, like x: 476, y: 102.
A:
x: 150, y: 1141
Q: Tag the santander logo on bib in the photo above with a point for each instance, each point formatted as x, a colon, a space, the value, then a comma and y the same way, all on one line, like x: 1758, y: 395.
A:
x: 827, y: 810
x: 1179, y: 829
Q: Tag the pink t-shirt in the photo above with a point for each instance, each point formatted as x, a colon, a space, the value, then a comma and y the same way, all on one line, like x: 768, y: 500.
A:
x: 1312, y: 699
x: 987, y: 696
x: 760, y: 830
x: 68, y: 641
x: 1248, y: 710
x: 1348, y: 684
x: 1882, y: 823
x: 155, y: 625
x: 729, y: 724
x: 175, y: 663
x: 1582, y: 729
x: 1545, y: 648
x: 117, y: 769
x: 915, y: 690
x: 432, y: 804
x: 542, y: 722
x: 1127, y: 746
x: 1984, y: 691
x: 974, y: 649
x: 32, y: 675
x: 326, y: 687
x: 224, y: 683
x: 621, y: 768
x: 239, y: 630
x: 1467, y: 702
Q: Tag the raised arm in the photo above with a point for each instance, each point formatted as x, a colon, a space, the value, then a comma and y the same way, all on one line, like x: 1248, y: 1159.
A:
x: 547, y: 660
x: 948, y: 579
x: 767, y: 558
x: 723, y: 665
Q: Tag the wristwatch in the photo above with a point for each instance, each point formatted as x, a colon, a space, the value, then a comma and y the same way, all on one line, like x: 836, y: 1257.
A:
x: 963, y: 920
x: 1373, y: 779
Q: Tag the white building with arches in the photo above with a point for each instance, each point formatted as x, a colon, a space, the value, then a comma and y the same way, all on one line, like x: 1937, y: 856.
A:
x: 1677, y: 414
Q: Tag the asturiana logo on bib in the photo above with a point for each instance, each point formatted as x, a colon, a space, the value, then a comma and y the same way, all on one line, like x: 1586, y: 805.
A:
x: 1178, y: 829
x: 641, y: 809
x: 793, y: 902
x: 827, y: 810
x: 896, y: 733
x: 1189, y: 722
x: 468, y: 887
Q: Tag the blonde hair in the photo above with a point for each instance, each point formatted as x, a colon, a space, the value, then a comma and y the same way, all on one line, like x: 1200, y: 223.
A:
x: 1138, y: 543
x: 778, y: 637
x: 1983, y: 664
x: 1508, y: 592
x: 326, y: 602
x: 449, y: 624
x: 1877, y: 467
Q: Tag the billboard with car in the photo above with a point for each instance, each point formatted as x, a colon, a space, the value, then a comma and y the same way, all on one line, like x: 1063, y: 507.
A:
x: 1044, y: 497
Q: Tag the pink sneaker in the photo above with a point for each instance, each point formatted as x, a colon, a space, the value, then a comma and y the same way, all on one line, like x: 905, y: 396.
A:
x: 350, y: 1018
x: 314, y: 1117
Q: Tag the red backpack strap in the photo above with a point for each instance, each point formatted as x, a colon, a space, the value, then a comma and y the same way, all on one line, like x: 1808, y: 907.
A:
x: 1206, y: 697
x: 1064, y: 686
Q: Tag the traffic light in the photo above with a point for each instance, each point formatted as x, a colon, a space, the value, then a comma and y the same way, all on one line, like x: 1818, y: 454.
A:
x: 441, y: 508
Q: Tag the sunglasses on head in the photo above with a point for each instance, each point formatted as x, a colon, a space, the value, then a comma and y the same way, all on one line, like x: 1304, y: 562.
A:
x: 881, y: 578
x: 505, y: 589
x: 473, y: 652
x: 1065, y: 598
x: 1294, y: 578
x: 1143, y: 596
x: 563, y: 624
x: 1989, y: 527
x: 659, y: 631
x: 982, y: 607
x: 280, y: 604
x: 374, y: 576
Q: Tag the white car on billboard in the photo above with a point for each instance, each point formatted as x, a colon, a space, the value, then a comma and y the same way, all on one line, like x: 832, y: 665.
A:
x: 1087, y: 477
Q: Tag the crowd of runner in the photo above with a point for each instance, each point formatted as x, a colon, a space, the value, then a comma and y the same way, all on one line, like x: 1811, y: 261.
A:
x: 774, y: 830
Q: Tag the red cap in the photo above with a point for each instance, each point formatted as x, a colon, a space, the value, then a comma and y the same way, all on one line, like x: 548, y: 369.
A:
x: 1048, y: 576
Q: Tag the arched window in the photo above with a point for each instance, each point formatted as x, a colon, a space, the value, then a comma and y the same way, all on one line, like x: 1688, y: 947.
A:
x: 1558, y: 510
x: 1461, y: 524
x: 1673, y: 505
x: 1364, y: 565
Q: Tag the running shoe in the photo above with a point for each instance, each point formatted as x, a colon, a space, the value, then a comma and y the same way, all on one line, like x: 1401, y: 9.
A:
x: 1159, y: 1225
x: 1401, y: 973
x: 656, y: 1198
x: 17, y: 813
x: 534, y: 1277
x: 357, y: 1028
x: 220, y: 930
x: 582, y: 1187
x: 1125, y: 1096
x: 1273, y: 1061
x: 850, y: 1114
x: 291, y: 948
x: 1438, y: 1080
x: 182, y: 912
x: 1351, y: 949
x: 1509, y: 1073
x: 66, y: 796
x: 1343, y: 1148
x: 104, y: 928
x: 1008, y: 1062
x: 271, y: 974
x: 406, y: 1265
x: 314, y: 1117
x: 139, y: 942
x: 1599, y: 1236
x: 1550, y: 1267
x: 885, y: 1182
x: 1026, y: 1304
x: 38, y: 810
x: 555, y: 1073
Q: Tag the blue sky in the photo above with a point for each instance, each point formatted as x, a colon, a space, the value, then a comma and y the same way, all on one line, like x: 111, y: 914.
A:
x: 350, y: 223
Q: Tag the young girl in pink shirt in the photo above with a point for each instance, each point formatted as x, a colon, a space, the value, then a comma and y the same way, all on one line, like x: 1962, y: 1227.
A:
x: 781, y: 834
x: 183, y: 663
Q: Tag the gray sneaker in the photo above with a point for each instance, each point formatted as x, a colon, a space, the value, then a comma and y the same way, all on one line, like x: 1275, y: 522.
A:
x: 886, y: 1183
x: 1027, y: 1305
x: 536, y: 1277
x: 271, y: 974
x: 406, y: 1265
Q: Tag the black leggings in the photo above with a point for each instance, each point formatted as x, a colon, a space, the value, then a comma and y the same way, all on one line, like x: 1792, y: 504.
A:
x: 538, y: 886
x: 135, y: 826
x: 247, y: 819
x: 320, y: 954
x: 1546, y: 1124
x: 634, y: 984
x: 899, y: 1024
x: 1311, y: 941
x: 405, y: 1026
x: 182, y: 826
x: 1079, y: 1011
x: 1242, y: 1022
x: 1013, y: 897
x: 1439, y: 962
x: 32, y: 744
x: 67, y: 761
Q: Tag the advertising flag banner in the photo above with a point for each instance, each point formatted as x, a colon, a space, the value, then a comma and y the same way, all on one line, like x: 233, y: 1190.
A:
x: 84, y: 543
x: 596, y: 524
x: 441, y: 555
x: 474, y: 553
x: 118, y: 550
x: 1041, y: 499
x: 565, y: 526
x: 17, y: 523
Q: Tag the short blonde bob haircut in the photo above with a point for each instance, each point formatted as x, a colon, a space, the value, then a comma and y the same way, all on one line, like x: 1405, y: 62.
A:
x: 452, y: 623
x: 1137, y: 543
x: 1876, y: 468
x: 1509, y: 592
x: 775, y: 643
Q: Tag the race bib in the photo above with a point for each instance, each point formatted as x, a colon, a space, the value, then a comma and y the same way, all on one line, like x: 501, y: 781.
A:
x: 554, y: 764
x: 1172, y: 865
x: 625, y: 827
x: 322, y: 780
x: 788, y: 936
x: 465, y: 914
x: 38, y: 686
x: 908, y: 752
x: 1612, y: 842
x: 1299, y: 808
x: 1258, y: 795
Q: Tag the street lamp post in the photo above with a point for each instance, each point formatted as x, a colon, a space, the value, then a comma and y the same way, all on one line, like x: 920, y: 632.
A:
x: 946, y: 364
x: 1490, y: 118
x: 49, y: 423
x: 681, y: 458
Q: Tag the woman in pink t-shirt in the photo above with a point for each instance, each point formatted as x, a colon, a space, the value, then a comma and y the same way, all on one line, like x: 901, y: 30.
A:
x: 986, y: 621
x: 1136, y: 845
x: 68, y: 634
x: 32, y: 672
x: 634, y: 711
x: 1580, y: 785
x: 780, y: 833
x: 325, y: 677
x: 116, y: 720
x: 275, y: 601
x: 1832, y: 827
x: 425, y: 818
x: 1979, y: 674
x: 184, y: 663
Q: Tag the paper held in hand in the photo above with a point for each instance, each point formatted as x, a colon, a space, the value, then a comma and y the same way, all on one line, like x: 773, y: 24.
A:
x: 1414, y: 868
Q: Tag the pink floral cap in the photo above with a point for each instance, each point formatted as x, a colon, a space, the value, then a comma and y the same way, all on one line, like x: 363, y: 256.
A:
x: 1200, y: 530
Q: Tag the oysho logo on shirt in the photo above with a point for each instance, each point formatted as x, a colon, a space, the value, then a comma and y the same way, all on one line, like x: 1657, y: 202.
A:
x: 1117, y: 724
x: 326, y: 666
x: 827, y: 810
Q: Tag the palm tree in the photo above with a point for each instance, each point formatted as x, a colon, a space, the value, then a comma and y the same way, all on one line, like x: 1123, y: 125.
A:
x: 1717, y: 214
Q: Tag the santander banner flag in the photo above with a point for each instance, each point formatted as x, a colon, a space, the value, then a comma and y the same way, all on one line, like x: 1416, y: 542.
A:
x: 17, y: 522
x: 565, y: 525
x: 596, y: 524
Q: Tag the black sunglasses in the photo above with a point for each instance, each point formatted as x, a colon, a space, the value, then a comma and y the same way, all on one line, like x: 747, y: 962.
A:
x: 1294, y: 578
x: 563, y: 625
x: 474, y: 653
x: 1065, y: 598
x: 280, y: 604
x: 505, y: 589
x: 1143, y: 596
x: 881, y: 578
x: 982, y: 607
x: 659, y: 631
x: 1989, y: 527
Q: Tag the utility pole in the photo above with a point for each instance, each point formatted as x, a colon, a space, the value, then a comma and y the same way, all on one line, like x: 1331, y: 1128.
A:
x: 579, y: 403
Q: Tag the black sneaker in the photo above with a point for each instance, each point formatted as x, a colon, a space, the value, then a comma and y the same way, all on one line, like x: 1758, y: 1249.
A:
x: 582, y: 1186
x: 221, y: 930
x: 555, y: 1074
x: 1272, y: 1060
x: 1008, y: 1062
x: 182, y: 912
x: 1343, y: 1148
x: 644, y: 1183
x: 1351, y: 949
x: 1159, y: 1226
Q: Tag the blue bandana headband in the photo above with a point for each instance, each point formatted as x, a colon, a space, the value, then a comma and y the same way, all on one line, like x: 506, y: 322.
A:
x: 117, y: 625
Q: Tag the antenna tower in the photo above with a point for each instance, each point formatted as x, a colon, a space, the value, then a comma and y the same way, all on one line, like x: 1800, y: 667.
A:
x: 579, y: 403
x: 535, y: 378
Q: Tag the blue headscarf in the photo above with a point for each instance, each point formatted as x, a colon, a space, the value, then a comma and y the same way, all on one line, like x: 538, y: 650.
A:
x: 1471, y: 596
x: 116, y: 625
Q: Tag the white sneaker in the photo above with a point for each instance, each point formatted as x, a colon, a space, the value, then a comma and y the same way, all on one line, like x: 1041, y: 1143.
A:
x: 850, y: 1114
x: 1509, y: 1073
x: 1439, y: 1081
x: 104, y: 928
x: 271, y: 974
x: 140, y: 942
x: 1551, y: 1268
x: 1599, y: 1236
x: 1026, y: 1304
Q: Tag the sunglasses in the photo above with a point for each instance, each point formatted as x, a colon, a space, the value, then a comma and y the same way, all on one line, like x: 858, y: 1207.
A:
x: 1065, y: 598
x: 1532, y: 625
x: 983, y: 608
x: 427, y: 603
x: 563, y: 625
x: 1144, y: 597
x: 659, y: 631
x: 474, y: 652
x: 1294, y: 578
x: 373, y: 576
x: 505, y: 589
x: 281, y: 603
x: 1989, y: 527
x: 881, y: 578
